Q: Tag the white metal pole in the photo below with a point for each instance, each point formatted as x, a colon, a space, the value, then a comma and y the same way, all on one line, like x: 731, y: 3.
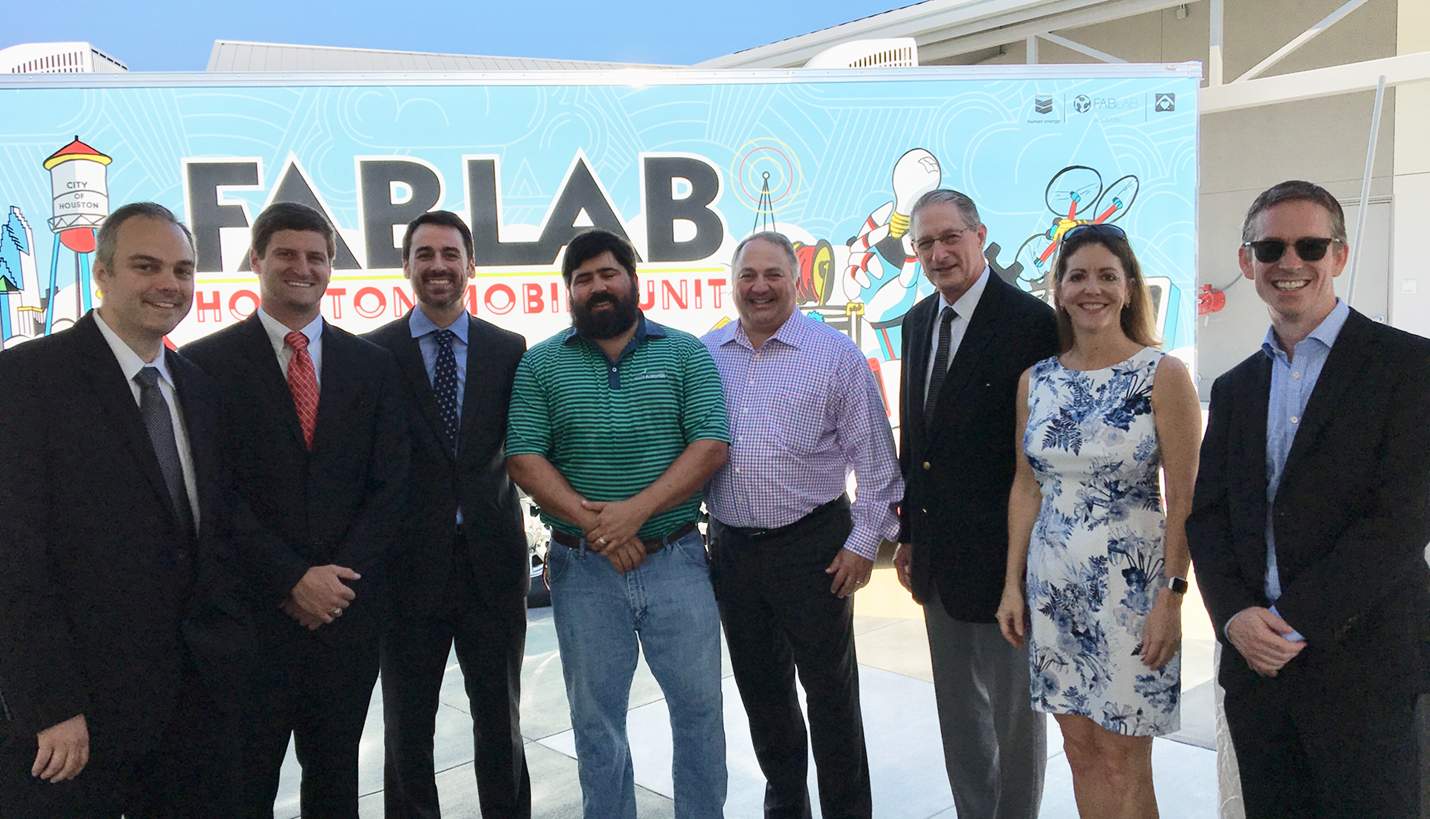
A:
x: 1365, y: 188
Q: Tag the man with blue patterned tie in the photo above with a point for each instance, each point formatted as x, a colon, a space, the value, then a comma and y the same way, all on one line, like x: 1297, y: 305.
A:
x: 459, y: 573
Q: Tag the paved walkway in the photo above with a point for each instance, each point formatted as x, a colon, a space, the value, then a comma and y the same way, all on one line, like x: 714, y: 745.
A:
x: 900, y: 722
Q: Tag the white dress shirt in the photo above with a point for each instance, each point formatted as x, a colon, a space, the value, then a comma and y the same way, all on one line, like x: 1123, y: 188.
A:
x: 964, y: 307
x: 277, y: 332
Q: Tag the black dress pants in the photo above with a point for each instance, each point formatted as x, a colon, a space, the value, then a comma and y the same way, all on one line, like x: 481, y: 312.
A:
x: 780, y: 618
x: 317, y: 694
x: 1306, y: 754
x: 189, y: 771
x: 490, y: 643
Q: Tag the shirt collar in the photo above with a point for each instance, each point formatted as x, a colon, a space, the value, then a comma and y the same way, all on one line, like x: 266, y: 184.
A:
x: 644, y: 328
x: 968, y: 302
x: 1325, y: 333
x: 278, y: 331
x: 129, y: 361
x: 420, y: 325
x: 794, y: 331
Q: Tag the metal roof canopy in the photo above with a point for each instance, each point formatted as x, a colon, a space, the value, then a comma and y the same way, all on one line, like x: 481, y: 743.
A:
x: 236, y: 55
x: 620, y: 77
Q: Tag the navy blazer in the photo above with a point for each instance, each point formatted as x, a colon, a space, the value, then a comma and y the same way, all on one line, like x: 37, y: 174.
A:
x: 476, y: 477
x: 958, y: 471
x: 108, y: 602
x: 338, y: 503
x: 1352, y: 513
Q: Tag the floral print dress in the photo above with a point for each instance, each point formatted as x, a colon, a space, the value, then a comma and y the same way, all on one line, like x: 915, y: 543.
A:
x: 1096, y: 555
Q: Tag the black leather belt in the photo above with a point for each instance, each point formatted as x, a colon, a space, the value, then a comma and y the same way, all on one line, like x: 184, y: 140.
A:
x: 651, y: 546
x: 750, y: 533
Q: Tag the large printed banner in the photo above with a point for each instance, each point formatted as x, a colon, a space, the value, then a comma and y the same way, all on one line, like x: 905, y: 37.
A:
x: 684, y: 164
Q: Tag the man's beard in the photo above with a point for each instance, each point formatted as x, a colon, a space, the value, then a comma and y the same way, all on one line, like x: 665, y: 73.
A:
x: 604, y: 324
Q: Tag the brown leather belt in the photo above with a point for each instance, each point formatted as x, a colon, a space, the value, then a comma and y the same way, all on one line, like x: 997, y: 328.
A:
x: 651, y: 546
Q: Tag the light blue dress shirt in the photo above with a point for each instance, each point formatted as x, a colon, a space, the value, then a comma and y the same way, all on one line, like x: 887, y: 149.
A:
x: 424, y: 331
x: 1292, y: 382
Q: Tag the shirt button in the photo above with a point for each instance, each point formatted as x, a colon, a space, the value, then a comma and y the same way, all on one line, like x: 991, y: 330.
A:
x: 737, y: 469
x: 613, y: 369
x: 744, y: 410
x: 1295, y: 375
x: 927, y: 465
x: 1295, y: 420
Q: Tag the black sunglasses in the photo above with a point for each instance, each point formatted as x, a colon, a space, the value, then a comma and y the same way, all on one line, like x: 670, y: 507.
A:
x: 1100, y: 231
x: 1310, y: 249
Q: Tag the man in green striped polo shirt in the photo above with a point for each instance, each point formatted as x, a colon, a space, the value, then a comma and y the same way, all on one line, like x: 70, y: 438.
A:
x: 615, y: 426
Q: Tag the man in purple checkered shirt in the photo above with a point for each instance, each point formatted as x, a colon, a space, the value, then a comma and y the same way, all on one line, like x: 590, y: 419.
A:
x: 787, y: 549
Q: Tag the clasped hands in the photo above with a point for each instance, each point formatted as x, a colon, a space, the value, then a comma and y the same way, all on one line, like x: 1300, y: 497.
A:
x: 1259, y: 635
x: 320, y: 596
x: 611, y: 527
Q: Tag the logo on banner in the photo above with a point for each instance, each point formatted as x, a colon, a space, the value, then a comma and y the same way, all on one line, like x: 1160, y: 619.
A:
x: 1046, y: 108
x: 1165, y: 102
x: 1082, y: 103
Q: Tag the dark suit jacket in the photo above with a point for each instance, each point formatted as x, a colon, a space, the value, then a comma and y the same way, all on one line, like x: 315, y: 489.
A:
x: 1352, y: 513
x: 106, y: 601
x: 957, y: 474
x: 476, y: 478
x: 338, y: 503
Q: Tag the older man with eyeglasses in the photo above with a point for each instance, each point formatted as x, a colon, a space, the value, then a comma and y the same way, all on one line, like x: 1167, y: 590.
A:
x: 964, y: 349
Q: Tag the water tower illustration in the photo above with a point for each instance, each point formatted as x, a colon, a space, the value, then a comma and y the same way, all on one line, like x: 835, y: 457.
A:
x: 79, y: 183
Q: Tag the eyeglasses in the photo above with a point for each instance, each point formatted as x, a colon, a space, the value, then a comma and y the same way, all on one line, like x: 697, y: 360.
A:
x: 949, y: 239
x: 1309, y: 248
x: 1097, y: 230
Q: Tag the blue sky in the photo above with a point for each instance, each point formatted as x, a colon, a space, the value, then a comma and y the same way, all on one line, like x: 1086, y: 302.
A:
x: 168, y: 35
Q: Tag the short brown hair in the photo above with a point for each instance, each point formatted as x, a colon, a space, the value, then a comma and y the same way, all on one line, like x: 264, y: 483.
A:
x: 1138, y: 319
x: 1295, y: 190
x: 108, y: 238
x: 290, y: 216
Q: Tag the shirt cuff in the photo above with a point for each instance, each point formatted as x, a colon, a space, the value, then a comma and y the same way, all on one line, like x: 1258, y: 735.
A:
x: 864, y: 544
x: 1293, y: 635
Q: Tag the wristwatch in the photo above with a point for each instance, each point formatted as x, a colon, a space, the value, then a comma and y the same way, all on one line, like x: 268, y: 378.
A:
x: 1178, y: 585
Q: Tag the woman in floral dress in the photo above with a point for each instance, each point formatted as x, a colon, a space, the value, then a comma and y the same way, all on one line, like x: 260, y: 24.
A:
x: 1096, y: 571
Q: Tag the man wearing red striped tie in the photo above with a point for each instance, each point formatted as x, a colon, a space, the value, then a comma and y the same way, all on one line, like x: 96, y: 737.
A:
x: 320, y: 452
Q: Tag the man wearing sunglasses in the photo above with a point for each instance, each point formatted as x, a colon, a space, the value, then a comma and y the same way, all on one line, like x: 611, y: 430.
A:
x: 1311, y: 514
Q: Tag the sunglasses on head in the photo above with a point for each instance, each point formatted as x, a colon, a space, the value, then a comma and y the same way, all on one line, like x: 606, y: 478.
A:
x: 1310, y: 249
x: 1101, y: 231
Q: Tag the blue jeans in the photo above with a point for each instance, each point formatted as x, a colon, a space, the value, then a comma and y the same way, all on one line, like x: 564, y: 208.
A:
x: 603, y: 619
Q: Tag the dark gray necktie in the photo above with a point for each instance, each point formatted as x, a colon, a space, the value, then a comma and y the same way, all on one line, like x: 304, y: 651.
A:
x: 160, y: 426
x: 940, y: 364
x: 445, y: 386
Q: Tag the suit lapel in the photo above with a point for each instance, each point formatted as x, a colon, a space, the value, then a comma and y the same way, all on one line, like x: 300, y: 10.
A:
x: 200, y: 452
x: 479, y: 368
x: 102, y: 373
x: 1344, y: 364
x: 265, y: 364
x: 1253, y: 437
x: 408, y: 352
x: 334, y: 382
x: 918, y: 361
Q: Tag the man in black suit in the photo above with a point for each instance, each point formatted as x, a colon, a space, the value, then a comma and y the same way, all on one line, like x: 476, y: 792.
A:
x: 1311, y: 514
x: 460, y: 572
x: 122, y: 638
x: 964, y: 349
x: 319, y: 443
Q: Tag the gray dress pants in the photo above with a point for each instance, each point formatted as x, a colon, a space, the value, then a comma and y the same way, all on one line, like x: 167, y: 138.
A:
x: 994, y: 743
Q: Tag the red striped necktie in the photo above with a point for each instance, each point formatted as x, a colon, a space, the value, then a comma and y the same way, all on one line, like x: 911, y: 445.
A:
x: 303, y: 383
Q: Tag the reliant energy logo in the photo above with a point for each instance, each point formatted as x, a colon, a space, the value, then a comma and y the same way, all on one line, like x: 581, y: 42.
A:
x: 1046, y: 108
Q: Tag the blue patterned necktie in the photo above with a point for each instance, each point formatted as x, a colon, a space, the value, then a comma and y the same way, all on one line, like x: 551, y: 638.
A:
x: 160, y: 426
x: 940, y: 364
x: 445, y: 386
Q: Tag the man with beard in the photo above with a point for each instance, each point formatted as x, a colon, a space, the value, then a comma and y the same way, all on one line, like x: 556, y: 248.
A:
x: 459, y: 572
x: 615, y: 426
